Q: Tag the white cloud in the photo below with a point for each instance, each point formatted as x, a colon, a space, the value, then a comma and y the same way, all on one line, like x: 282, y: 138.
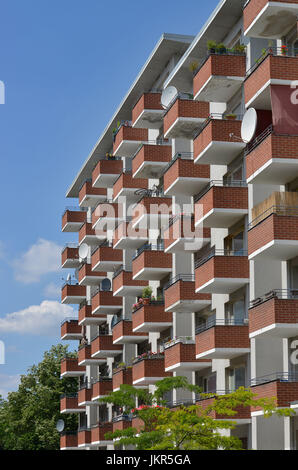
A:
x: 42, y: 258
x: 52, y: 291
x: 43, y: 319
x: 8, y: 383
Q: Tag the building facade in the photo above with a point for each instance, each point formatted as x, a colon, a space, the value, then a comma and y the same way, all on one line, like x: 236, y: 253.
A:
x: 172, y: 198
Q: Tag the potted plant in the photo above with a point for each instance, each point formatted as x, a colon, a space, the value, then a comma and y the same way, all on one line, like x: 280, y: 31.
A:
x: 212, y: 45
x: 284, y: 50
x: 241, y: 48
x: 193, y: 67
x: 231, y: 116
x: 146, y: 294
x: 221, y: 48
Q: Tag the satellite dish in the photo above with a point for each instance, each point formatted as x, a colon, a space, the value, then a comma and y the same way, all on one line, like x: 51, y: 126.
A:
x: 106, y: 285
x: 68, y: 278
x: 249, y: 125
x: 60, y: 425
x: 167, y: 96
x: 83, y: 251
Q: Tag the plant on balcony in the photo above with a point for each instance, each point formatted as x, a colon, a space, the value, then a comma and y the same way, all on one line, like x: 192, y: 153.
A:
x: 221, y: 48
x: 146, y: 295
x: 241, y: 48
x: 284, y: 50
x: 212, y: 45
x: 230, y: 116
x: 193, y: 67
x: 184, y: 427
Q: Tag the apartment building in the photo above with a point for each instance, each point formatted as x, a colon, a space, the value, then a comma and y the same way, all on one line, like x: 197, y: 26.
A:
x: 172, y: 198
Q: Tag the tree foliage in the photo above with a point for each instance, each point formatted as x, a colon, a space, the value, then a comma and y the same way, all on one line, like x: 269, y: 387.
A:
x: 28, y: 417
x: 188, y: 428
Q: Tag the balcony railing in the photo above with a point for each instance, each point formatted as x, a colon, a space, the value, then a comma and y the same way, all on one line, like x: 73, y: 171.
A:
x: 285, y: 51
x: 177, y: 156
x: 179, y: 277
x: 216, y: 322
x: 216, y: 116
x: 277, y: 376
x: 222, y: 184
x: 276, y: 210
x: 280, y: 294
x: 210, y: 54
x: 250, y: 147
x: 215, y: 252
x: 149, y: 247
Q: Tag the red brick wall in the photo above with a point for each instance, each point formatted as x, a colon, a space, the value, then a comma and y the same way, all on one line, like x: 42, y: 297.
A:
x: 124, y: 328
x: 87, y: 271
x: 185, y: 169
x: 273, y: 311
x: 84, y: 437
x: 84, y: 353
x: 285, y: 393
x: 71, y: 365
x: 104, y: 299
x: 121, y: 425
x: 67, y: 403
x: 272, y: 228
x: 107, y: 167
x: 147, y: 101
x: 254, y: 7
x: 88, y: 190
x: 69, y: 253
x: 151, y: 153
x: 223, y: 337
x: 223, y: 198
x: 125, y: 279
x: 71, y: 327
x: 183, y: 291
x: 102, y: 388
x: 185, y: 108
x: 181, y: 353
x: 84, y: 395
x: 98, y: 433
x: 86, y: 230
x: 106, y: 253
x: 150, y: 313
x: 106, y: 210
x: 242, y: 412
x: 122, y: 377
x: 130, y: 133
x: 68, y: 441
x: 104, y: 343
x: 73, y: 291
x: 86, y: 312
x: 74, y: 217
x: 274, y: 146
x: 127, y: 181
x: 222, y: 267
x: 221, y: 65
x: 149, y: 368
x: 151, y: 259
x: 216, y: 130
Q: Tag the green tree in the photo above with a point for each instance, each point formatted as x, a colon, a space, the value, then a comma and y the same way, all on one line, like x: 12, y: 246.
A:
x: 28, y: 417
x: 187, y: 428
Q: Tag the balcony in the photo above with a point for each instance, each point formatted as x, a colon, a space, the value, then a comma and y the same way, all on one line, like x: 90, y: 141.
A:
x: 222, y: 339
x: 101, y: 388
x: 151, y: 159
x: 106, y: 258
x: 182, y: 177
x: 219, y: 77
x: 71, y: 330
x: 149, y: 369
x: 73, y: 219
x: 183, y: 117
x: 151, y: 263
x: 70, y: 256
x: 274, y: 234
x: 126, y: 237
x: 87, y: 277
x: 148, y: 112
x: 121, y: 422
x: 85, y: 358
x: 91, y: 237
x: 152, y: 212
x: 106, y: 172
x: 242, y: 415
x: 69, y: 441
x: 84, y: 438
x: 180, y: 296
x: 106, y: 215
x: 123, y: 334
x: 269, y: 18
x: 221, y: 272
x: 73, y: 293
x: 280, y: 385
x: 125, y: 285
x: 218, y: 142
x: 180, y: 355
x: 105, y: 302
x: 182, y: 236
x: 126, y: 187
x: 98, y: 433
x: 86, y: 317
x: 128, y: 140
x: 151, y: 318
x: 274, y: 314
x: 102, y: 346
x: 121, y: 376
x: 272, y: 159
x: 90, y: 196
x: 70, y: 368
x: 85, y: 395
x: 221, y: 204
x: 274, y: 67
x: 69, y: 404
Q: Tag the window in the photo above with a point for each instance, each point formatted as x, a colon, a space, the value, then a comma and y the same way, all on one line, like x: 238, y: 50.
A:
x: 237, y: 378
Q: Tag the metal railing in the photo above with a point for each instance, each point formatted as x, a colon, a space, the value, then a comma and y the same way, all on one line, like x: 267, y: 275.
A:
x: 212, y: 323
x: 68, y: 395
x: 258, y: 140
x: 215, y: 252
x: 178, y: 156
x: 124, y: 417
x: 216, y: 117
x: 149, y: 247
x: 71, y: 282
x: 179, y: 277
x: 151, y: 142
x: 222, y: 184
x: 148, y: 356
x: 179, y: 339
x: 74, y: 209
x: 227, y: 51
x: 284, y: 51
x: 288, y: 211
x: 69, y: 320
x: 120, y: 270
x: 152, y: 303
x: 98, y: 290
x: 276, y: 376
x: 179, y: 96
x: 70, y: 245
x: 280, y: 294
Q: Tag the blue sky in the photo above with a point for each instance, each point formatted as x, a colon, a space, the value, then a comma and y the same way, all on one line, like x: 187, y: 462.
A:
x: 66, y: 65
